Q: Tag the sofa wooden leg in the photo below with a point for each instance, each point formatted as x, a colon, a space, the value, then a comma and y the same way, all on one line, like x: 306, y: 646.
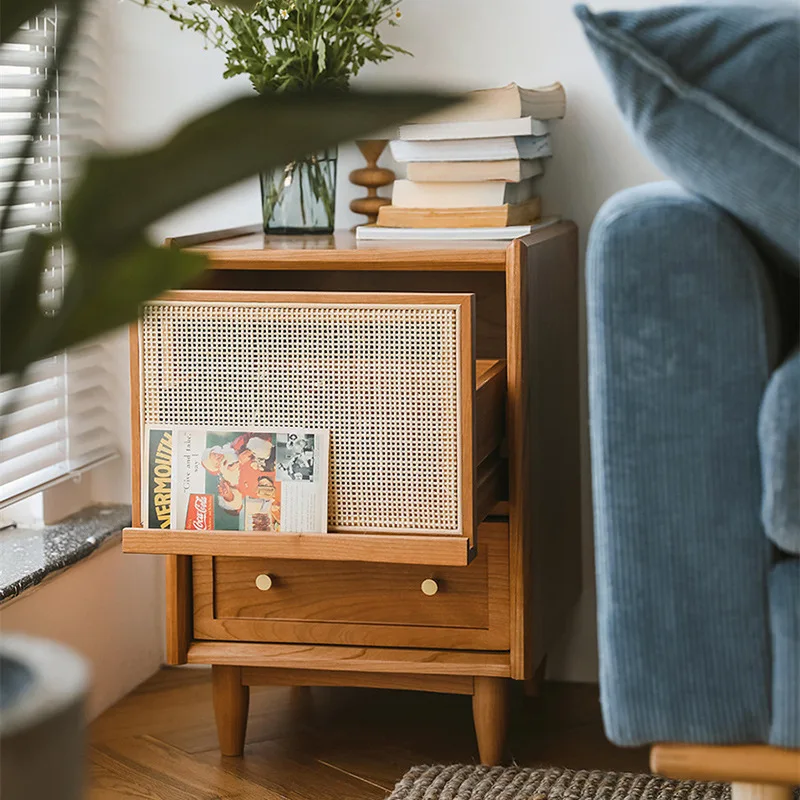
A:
x: 231, y: 702
x: 760, y: 791
x: 490, y: 714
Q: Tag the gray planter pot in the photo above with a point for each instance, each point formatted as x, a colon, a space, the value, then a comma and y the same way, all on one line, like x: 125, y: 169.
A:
x: 43, y: 688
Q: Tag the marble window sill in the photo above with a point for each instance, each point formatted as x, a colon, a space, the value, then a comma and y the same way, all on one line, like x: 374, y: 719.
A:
x: 29, y: 556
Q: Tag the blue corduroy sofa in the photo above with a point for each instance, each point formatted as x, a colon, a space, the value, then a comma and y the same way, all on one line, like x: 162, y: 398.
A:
x: 694, y: 393
x: 696, y: 516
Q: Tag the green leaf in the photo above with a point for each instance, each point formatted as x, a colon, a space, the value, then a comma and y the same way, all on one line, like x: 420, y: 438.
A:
x: 120, y: 195
x: 13, y: 13
x: 98, y: 300
x: 20, y: 312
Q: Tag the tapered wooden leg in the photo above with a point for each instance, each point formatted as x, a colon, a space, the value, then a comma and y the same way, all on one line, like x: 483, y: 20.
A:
x: 760, y: 791
x: 490, y: 714
x: 231, y: 701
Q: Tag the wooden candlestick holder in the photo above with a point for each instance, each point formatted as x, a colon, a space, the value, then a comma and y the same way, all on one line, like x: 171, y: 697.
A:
x: 372, y: 177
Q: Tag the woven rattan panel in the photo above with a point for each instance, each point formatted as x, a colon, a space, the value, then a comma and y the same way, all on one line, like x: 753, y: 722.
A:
x: 383, y: 379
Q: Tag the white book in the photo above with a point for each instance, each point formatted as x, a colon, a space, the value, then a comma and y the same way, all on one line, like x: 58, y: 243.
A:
x: 477, y: 129
x: 372, y: 233
x: 546, y: 102
x: 410, y: 194
x: 499, y: 149
x: 469, y: 171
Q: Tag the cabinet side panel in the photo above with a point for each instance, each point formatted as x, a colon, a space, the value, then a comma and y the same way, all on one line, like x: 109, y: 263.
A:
x: 544, y: 441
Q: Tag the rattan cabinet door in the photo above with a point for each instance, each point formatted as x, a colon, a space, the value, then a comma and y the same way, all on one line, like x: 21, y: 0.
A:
x: 391, y: 376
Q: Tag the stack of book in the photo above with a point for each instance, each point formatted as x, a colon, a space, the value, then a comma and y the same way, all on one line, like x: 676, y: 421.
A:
x: 472, y: 169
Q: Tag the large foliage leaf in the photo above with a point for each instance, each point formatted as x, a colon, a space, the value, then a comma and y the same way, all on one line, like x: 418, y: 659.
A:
x: 100, y: 300
x: 19, y: 302
x: 13, y: 13
x: 120, y: 195
x: 96, y: 300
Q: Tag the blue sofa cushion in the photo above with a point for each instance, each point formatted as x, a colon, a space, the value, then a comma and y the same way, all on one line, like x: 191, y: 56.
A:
x: 784, y: 606
x: 712, y: 94
x: 677, y: 317
x: 779, y: 437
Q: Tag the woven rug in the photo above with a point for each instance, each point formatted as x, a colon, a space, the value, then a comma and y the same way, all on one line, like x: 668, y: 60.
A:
x: 461, y: 782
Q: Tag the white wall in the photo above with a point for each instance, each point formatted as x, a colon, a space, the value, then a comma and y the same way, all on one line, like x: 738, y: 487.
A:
x: 109, y: 608
x: 159, y: 76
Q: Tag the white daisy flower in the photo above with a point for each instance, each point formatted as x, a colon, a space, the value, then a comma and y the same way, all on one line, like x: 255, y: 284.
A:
x: 284, y: 14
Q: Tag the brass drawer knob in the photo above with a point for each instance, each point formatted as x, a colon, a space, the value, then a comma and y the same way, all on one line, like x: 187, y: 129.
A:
x: 429, y: 587
x: 264, y: 582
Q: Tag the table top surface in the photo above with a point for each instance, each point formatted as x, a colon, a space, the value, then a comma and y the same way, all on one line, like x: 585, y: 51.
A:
x: 249, y: 248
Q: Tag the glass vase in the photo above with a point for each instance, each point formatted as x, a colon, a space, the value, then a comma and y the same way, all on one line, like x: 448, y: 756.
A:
x: 301, y: 196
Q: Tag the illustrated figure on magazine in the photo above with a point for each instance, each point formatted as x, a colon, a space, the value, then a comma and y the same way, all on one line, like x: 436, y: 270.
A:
x: 229, y: 497
x: 296, y: 458
x: 260, y: 447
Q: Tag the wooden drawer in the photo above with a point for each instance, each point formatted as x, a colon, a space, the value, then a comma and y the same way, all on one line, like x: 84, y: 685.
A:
x: 357, y: 603
x: 471, y: 489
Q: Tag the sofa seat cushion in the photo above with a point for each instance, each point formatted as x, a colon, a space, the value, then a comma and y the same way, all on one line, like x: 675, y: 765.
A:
x: 784, y: 601
x: 779, y: 439
x: 712, y: 93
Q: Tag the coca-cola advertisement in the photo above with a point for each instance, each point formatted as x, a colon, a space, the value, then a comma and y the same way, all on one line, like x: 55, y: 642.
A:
x: 265, y: 481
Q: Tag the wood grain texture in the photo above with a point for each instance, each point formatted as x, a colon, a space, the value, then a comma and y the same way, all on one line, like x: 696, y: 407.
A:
x: 341, y: 251
x: 231, y: 704
x: 461, y: 301
x: 488, y: 288
x: 543, y: 422
x: 490, y: 717
x: 167, y: 771
x: 325, y: 591
x: 477, y: 217
x: 490, y: 411
x: 468, y: 468
x: 136, y: 426
x: 160, y: 741
x: 444, y: 684
x: 352, y: 659
x: 761, y: 791
x: 211, y: 237
x: 756, y: 763
x: 177, y: 568
x: 358, y: 604
x: 179, y: 624
x: 446, y: 550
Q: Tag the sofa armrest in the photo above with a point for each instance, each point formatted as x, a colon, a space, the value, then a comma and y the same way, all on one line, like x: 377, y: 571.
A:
x: 678, y: 362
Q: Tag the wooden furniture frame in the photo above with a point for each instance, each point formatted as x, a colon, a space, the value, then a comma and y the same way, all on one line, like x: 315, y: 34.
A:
x: 756, y: 772
x: 522, y: 573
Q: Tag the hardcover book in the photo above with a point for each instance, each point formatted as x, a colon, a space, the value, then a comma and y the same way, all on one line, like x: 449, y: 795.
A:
x: 260, y: 480
x: 501, y: 148
x: 511, y: 171
x: 411, y: 194
x: 546, y: 102
x: 477, y: 129
x: 479, y: 217
x: 372, y: 233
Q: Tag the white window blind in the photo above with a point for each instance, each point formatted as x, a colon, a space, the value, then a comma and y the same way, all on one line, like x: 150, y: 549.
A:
x: 60, y: 422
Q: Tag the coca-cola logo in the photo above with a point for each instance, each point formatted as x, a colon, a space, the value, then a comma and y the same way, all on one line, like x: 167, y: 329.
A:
x: 200, y: 514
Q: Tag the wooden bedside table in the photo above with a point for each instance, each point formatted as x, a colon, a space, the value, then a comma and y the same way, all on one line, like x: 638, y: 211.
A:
x: 450, y: 613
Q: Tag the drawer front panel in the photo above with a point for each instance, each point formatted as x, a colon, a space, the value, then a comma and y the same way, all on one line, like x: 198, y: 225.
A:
x: 258, y: 599
x: 387, y: 594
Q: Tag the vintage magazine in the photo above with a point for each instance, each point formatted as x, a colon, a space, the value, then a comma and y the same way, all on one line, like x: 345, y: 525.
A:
x: 236, y: 480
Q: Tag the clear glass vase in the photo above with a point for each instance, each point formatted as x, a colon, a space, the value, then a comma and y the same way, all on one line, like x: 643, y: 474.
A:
x: 301, y: 197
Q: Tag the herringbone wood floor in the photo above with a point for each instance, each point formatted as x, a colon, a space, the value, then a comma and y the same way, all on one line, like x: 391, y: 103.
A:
x: 159, y: 743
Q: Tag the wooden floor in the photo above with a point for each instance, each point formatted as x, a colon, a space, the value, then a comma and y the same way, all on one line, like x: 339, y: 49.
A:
x: 159, y: 743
